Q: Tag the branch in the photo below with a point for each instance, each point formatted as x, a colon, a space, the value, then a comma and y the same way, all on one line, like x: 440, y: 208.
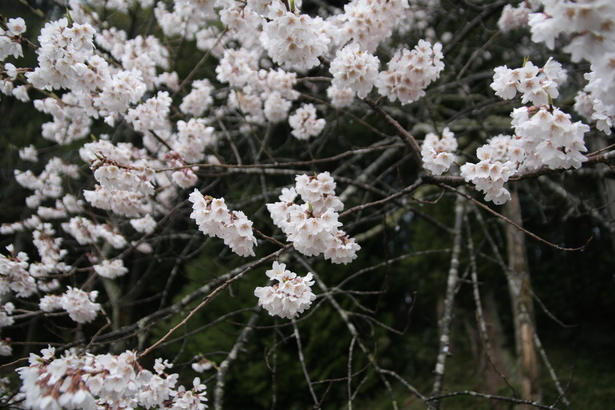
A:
x: 451, y: 285
x: 408, y: 139
x: 226, y: 364
x: 209, y: 297
x: 302, y: 361
x: 491, y: 397
x: 507, y: 220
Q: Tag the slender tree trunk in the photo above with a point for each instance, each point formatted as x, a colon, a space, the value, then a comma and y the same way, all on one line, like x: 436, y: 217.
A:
x: 449, y: 301
x: 519, y: 286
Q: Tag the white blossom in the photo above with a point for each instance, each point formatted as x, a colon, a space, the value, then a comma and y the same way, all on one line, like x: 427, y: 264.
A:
x: 410, y: 72
x: 304, y: 122
x: 290, y: 296
x: 355, y: 69
x: 213, y: 218
x: 438, y: 153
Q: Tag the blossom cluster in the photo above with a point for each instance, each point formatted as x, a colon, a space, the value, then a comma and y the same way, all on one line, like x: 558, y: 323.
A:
x: 295, y: 40
x: 290, y: 296
x: 588, y: 27
x: 355, y: 69
x: 538, y: 85
x: 368, y: 22
x: 494, y: 168
x: 213, y: 218
x: 313, y: 225
x: 9, y: 38
x: 543, y: 137
x: 410, y: 72
x: 78, y: 303
x: 438, y: 152
x: 304, y: 122
x: 87, y: 381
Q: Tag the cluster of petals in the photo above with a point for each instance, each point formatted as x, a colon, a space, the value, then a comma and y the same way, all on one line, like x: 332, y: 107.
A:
x: 290, y: 296
x: 78, y: 303
x: 304, y: 122
x: 601, y: 88
x: 498, y: 160
x: 549, y: 137
x: 62, y: 49
x: 152, y: 114
x: 368, y: 22
x: 537, y: 85
x: 214, y: 219
x: 125, y: 178
x: 437, y: 152
x: 111, y: 269
x: 410, y: 72
x: 9, y: 38
x: 199, y: 99
x: 340, y: 97
x: 544, y: 137
x: 586, y: 21
x: 588, y: 28
x: 514, y: 17
x: 313, y: 226
x: 186, y: 19
x: 89, y: 382
x: 70, y: 121
x: 113, y: 176
x: 14, y: 275
x: 355, y: 69
x: 295, y: 40
x: 48, y: 184
x: 260, y: 94
x: 87, y: 232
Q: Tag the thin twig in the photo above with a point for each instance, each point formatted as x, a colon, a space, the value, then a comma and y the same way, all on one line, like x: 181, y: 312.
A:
x: 302, y: 361
x: 491, y: 397
x: 507, y: 220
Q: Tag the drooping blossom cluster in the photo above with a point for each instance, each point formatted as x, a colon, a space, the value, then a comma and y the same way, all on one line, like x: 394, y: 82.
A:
x: 549, y: 137
x: 367, y: 22
x: 544, y: 136
x: 515, y: 17
x: 9, y: 38
x: 88, y: 382
x: 537, y: 85
x: 438, y: 152
x: 290, y: 296
x: 355, y: 69
x: 588, y: 30
x: 124, y: 178
x: 410, y: 72
x: 79, y: 304
x: 313, y: 225
x: 496, y: 165
x: 14, y: 275
x: 340, y: 97
x: 304, y: 122
x: 48, y: 183
x: 214, y: 219
x: 6, y: 319
x: 295, y: 41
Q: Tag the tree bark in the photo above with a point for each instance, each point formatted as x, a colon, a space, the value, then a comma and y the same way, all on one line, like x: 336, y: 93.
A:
x: 519, y: 286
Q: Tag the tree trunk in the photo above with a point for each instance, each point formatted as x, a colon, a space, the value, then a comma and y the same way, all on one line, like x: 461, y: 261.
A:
x: 519, y: 286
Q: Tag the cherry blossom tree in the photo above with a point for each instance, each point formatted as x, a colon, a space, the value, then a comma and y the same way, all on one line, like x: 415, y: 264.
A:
x: 195, y: 150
